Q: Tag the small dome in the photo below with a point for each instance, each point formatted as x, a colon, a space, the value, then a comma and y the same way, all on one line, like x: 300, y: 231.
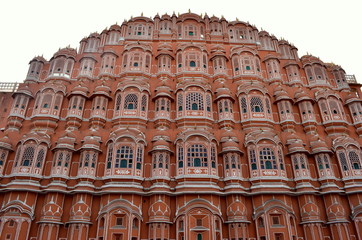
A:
x: 115, y: 27
x: 52, y: 211
x: 80, y: 211
x: 228, y: 134
x: 24, y: 89
x: 68, y: 52
x: 351, y: 97
x: 166, y: 17
x: 159, y: 211
x: 161, y: 144
x: 94, y: 35
x: 80, y: 89
x: 38, y: 59
x: 295, y: 144
x: 91, y: 141
x: 5, y: 142
x: 310, y: 211
x: 102, y: 90
x: 67, y: 141
x: 280, y: 94
x: 318, y: 145
x: 163, y: 90
x: 336, y: 212
x: 230, y: 146
x: 237, y: 211
x: 223, y: 92
x: 300, y: 95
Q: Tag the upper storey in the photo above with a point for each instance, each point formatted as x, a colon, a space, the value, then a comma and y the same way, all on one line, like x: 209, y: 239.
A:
x: 189, y: 44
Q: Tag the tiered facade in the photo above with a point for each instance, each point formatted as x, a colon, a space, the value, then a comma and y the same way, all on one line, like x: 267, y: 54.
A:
x: 181, y: 127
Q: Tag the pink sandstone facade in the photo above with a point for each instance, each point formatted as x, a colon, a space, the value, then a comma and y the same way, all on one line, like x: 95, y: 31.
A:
x: 181, y: 128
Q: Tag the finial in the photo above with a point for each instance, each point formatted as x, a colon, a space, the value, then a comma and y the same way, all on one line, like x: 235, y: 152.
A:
x: 189, y: 10
x: 141, y: 14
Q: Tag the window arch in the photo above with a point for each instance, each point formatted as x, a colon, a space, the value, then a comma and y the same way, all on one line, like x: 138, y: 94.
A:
x: 29, y: 158
x: 316, y: 74
x: 266, y: 160
x: 88, y: 163
x: 201, y: 158
x: 331, y: 109
x: 48, y: 102
x: 356, y: 111
x: 192, y: 60
x: 255, y: 106
x: 124, y: 159
x: 246, y: 64
x: 197, y: 103
x: 324, y: 165
x: 350, y: 161
x: 61, y: 163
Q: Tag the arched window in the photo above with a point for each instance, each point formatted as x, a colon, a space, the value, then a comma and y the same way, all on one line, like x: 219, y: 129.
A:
x: 192, y: 64
x: 354, y: 158
x: 256, y: 104
x: 28, y: 156
x: 197, y: 156
x: 180, y: 157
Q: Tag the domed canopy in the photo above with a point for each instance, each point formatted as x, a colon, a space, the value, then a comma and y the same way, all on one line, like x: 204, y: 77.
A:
x: 281, y: 94
x: 52, y: 212
x: 159, y: 211
x: 351, y: 97
x: 102, y: 90
x: 80, y: 89
x: 300, y: 95
x: 5, y: 143
x: 67, y: 141
x: 295, y: 144
x: 91, y: 141
x: 24, y: 89
x: 163, y: 90
x: 318, y: 145
x: 161, y: 143
x: 230, y: 146
x: 223, y: 92
x: 237, y: 212
x: 80, y: 212
x: 67, y: 52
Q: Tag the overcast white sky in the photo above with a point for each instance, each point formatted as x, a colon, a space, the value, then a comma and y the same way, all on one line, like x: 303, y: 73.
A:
x: 330, y: 29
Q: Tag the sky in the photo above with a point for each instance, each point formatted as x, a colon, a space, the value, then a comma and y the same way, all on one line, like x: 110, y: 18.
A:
x: 330, y: 30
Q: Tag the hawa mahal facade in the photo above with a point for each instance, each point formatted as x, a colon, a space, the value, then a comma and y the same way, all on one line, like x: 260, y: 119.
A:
x: 181, y: 127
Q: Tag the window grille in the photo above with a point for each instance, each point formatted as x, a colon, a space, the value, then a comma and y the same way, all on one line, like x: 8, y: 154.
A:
x: 343, y: 160
x: 124, y: 157
x: 144, y: 103
x: 355, y: 160
x: 194, y: 101
x: 244, y: 106
x: 131, y: 101
x: 40, y: 158
x: 267, y: 159
x: 197, y: 156
x: 180, y: 157
x: 118, y: 102
x: 28, y: 156
x: 110, y: 156
x: 139, y: 157
x: 256, y: 104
